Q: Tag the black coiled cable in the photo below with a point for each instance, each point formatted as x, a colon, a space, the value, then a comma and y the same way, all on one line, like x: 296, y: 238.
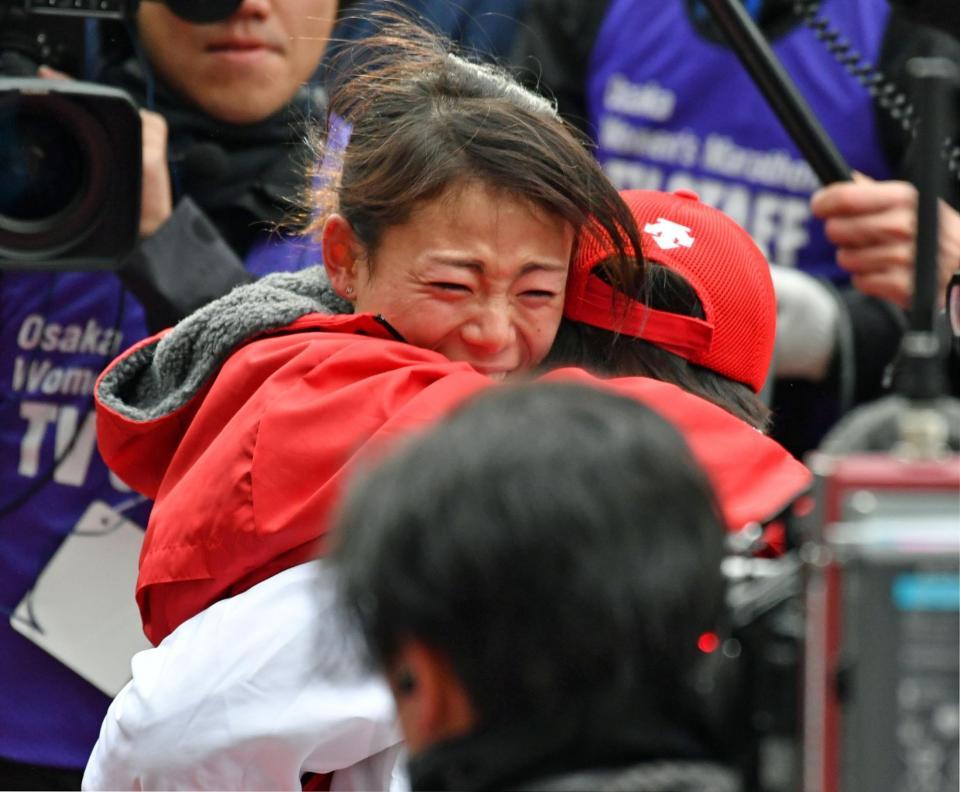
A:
x: 884, y: 91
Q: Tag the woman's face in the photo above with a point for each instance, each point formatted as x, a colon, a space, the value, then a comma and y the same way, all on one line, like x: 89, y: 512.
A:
x: 477, y: 275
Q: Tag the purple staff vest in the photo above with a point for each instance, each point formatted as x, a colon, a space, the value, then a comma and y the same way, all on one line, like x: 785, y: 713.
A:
x: 673, y: 110
x: 57, y: 332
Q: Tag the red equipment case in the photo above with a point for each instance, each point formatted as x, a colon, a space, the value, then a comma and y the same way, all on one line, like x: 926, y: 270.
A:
x: 880, y: 691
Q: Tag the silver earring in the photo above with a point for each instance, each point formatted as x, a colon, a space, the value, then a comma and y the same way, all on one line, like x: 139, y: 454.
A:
x: 349, y: 289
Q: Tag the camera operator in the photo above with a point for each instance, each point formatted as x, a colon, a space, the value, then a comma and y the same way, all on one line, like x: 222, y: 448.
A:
x: 536, y: 597
x: 230, y: 100
x: 221, y: 157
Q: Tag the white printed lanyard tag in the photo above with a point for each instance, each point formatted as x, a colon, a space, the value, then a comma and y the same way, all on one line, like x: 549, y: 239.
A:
x: 81, y: 608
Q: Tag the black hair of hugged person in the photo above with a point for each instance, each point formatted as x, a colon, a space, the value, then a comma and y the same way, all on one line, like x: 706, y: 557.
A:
x: 535, y: 595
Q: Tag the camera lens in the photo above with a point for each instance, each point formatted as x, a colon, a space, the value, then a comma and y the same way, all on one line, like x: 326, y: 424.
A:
x: 70, y: 164
x: 44, y: 168
x: 54, y: 162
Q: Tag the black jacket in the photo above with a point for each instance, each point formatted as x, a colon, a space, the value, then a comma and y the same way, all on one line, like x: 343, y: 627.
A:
x: 622, y: 749
x: 232, y: 186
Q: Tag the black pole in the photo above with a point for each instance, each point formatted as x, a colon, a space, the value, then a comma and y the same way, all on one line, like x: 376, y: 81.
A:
x: 934, y: 79
x: 919, y: 374
x: 779, y: 90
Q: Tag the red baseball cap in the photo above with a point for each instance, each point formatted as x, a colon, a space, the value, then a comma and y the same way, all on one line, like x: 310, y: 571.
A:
x: 719, y: 260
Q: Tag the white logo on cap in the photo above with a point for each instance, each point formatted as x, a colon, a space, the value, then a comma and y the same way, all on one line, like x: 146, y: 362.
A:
x: 669, y: 235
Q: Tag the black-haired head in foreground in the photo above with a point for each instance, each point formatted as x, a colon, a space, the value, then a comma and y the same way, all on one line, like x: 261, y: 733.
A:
x: 532, y: 575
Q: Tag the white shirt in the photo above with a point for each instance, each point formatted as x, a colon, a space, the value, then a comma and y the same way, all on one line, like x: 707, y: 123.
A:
x: 251, y: 694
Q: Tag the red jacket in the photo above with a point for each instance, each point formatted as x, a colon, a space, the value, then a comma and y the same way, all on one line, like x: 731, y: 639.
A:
x: 246, y: 473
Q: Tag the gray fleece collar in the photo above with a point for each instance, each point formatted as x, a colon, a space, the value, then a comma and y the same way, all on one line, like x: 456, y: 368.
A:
x: 161, y: 377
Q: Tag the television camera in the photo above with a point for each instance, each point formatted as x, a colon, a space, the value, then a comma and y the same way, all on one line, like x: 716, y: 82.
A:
x: 70, y: 150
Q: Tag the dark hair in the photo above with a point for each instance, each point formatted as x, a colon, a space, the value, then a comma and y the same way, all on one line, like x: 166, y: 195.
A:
x: 558, y: 544
x: 618, y: 355
x: 424, y: 120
